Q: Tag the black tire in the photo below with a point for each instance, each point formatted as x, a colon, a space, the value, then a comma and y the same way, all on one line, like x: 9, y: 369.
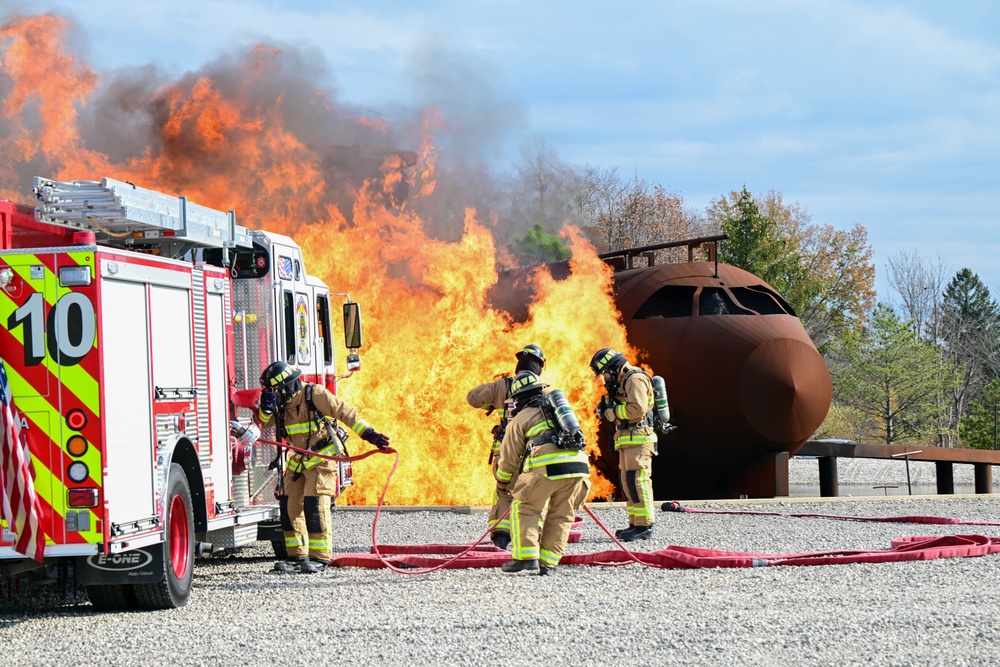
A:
x: 111, y: 597
x: 178, y: 549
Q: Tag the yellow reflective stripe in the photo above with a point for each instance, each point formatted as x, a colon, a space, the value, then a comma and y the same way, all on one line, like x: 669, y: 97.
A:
x: 503, y: 475
x: 294, y: 541
x: 313, y: 461
x: 73, y: 378
x: 360, y: 426
x: 302, y: 427
x: 557, y: 457
x: 549, y: 558
x: 620, y: 410
x: 501, y: 525
x: 515, y: 527
x: 605, y: 359
x: 645, y: 486
x: 630, y: 439
x: 538, y: 428
x: 92, y: 457
x: 48, y: 484
x: 495, y: 448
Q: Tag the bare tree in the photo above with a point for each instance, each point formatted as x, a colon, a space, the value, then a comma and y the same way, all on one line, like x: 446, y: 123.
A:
x: 920, y: 284
x: 542, y: 191
x: 627, y: 214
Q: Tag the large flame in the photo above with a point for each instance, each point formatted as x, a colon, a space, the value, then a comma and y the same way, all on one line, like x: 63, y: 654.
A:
x: 431, y: 334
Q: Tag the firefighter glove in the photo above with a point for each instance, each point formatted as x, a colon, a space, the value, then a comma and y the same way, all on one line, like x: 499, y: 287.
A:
x: 376, y: 438
x: 275, y: 462
x: 268, y: 402
x: 603, y: 406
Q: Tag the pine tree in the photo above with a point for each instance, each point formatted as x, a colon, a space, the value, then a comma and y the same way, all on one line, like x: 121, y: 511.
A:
x: 893, y: 377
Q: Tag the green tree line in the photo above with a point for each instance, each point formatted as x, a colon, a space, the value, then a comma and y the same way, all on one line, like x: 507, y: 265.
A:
x: 920, y: 365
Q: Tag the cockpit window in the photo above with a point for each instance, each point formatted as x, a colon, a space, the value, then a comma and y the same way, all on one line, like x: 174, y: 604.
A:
x: 716, y: 301
x: 761, y: 300
x: 678, y: 301
x: 669, y: 301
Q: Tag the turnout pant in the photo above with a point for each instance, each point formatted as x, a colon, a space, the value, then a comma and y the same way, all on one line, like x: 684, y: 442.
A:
x: 635, y: 464
x: 532, y: 491
x: 305, y: 512
x: 501, y: 503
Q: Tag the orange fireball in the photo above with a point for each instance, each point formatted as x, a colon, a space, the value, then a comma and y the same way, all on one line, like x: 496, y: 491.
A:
x: 232, y: 138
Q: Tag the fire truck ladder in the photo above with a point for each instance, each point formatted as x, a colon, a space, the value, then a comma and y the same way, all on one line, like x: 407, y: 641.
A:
x: 125, y: 215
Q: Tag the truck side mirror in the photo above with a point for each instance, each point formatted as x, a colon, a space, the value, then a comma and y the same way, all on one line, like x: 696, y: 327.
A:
x: 352, y: 325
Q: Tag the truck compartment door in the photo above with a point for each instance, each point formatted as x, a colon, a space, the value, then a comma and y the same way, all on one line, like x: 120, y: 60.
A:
x: 129, y: 447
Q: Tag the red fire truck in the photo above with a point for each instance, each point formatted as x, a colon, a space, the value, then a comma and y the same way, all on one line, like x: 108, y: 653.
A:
x: 132, y: 319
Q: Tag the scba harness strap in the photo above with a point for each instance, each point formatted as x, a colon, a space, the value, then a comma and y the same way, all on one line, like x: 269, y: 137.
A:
x: 650, y: 418
x: 335, y: 433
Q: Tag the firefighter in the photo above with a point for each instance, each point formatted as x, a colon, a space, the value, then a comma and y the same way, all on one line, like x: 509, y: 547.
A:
x: 300, y: 414
x: 493, y: 397
x: 627, y: 405
x: 549, y: 473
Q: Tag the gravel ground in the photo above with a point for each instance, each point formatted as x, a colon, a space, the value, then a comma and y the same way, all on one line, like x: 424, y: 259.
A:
x: 939, y: 612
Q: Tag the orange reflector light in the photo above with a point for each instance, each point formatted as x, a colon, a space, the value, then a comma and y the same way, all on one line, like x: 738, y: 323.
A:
x: 83, y: 497
x: 76, y: 419
x: 76, y: 445
x: 181, y: 423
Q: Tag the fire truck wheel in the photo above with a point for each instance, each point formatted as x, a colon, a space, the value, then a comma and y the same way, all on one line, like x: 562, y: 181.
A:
x: 178, y: 549
x: 111, y: 597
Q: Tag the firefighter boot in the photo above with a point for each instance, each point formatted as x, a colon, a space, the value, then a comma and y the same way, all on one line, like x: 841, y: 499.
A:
x: 312, y: 566
x: 544, y: 570
x: 289, y: 565
x: 637, y: 533
x: 518, y: 565
x: 622, y: 531
x: 501, y: 539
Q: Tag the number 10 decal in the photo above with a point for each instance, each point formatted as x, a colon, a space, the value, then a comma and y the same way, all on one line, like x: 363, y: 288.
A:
x: 68, y: 334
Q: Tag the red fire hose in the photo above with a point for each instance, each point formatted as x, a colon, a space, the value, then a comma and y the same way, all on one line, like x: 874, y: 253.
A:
x: 674, y: 506
x: 417, y: 559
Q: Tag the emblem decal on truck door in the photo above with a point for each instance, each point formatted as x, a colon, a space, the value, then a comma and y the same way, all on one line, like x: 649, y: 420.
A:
x: 302, y: 329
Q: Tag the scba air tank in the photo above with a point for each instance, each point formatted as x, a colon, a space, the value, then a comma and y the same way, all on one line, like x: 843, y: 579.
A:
x: 568, y: 422
x: 660, y: 399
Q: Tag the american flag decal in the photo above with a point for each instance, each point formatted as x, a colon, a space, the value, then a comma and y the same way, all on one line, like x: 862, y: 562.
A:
x: 21, y: 508
x: 284, y: 267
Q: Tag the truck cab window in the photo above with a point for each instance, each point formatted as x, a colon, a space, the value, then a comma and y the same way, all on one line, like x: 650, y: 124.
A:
x: 288, y: 308
x: 323, y: 320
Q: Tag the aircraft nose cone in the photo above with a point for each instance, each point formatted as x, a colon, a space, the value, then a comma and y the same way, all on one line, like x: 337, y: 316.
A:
x: 785, y: 390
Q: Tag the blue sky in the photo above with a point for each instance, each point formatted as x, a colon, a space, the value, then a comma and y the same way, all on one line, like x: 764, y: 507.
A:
x: 885, y: 114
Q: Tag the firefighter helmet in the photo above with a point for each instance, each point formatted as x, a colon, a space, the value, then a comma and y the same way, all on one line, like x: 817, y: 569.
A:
x: 531, y: 350
x: 524, y: 383
x: 606, y: 361
x: 282, y: 378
